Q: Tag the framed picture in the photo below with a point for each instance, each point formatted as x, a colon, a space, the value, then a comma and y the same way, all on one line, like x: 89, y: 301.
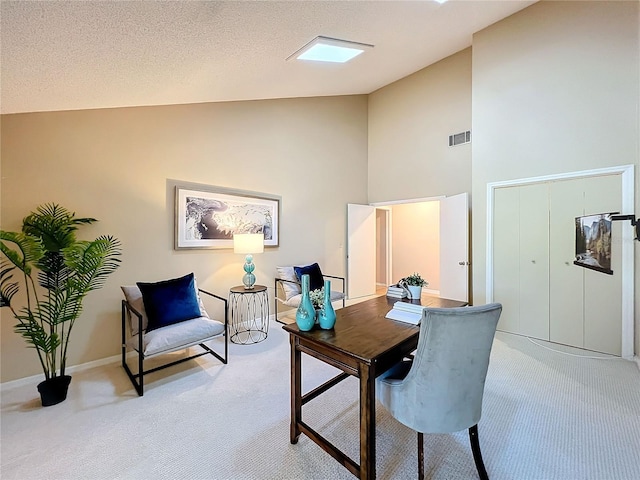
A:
x: 593, y: 242
x: 209, y: 216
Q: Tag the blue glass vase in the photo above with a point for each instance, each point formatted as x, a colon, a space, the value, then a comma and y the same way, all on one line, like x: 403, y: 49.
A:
x: 327, y: 315
x: 306, y: 314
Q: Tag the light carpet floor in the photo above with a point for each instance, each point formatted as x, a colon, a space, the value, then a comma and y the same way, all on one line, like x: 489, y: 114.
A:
x: 546, y: 415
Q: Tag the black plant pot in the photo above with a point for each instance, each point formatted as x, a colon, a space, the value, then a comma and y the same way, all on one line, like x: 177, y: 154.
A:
x: 54, y: 390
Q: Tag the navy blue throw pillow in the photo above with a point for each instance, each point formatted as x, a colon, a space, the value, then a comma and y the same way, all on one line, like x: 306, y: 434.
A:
x: 316, y: 280
x: 170, y: 301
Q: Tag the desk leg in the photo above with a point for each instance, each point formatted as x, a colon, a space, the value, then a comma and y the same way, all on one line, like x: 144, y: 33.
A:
x: 296, y: 390
x: 367, y: 423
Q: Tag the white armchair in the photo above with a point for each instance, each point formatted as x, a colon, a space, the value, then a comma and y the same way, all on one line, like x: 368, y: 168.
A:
x: 288, y: 291
x: 164, y: 317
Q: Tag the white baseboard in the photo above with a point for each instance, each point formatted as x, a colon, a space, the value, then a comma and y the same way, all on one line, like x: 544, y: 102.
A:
x: 431, y: 292
x: 35, y: 379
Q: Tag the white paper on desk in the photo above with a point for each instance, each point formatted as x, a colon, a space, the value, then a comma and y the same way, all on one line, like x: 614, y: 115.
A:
x: 404, y: 316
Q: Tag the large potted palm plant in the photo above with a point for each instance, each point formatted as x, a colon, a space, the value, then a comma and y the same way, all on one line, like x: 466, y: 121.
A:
x: 67, y: 270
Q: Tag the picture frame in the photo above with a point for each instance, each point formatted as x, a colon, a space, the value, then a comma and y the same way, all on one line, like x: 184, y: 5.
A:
x: 208, y: 216
x: 593, y: 242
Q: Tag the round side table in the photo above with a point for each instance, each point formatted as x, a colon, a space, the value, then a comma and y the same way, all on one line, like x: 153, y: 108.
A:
x: 249, y: 314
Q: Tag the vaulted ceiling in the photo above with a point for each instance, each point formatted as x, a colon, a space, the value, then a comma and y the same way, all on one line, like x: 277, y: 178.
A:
x: 68, y: 55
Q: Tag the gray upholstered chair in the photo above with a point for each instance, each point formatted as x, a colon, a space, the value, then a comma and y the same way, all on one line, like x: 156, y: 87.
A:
x: 441, y: 390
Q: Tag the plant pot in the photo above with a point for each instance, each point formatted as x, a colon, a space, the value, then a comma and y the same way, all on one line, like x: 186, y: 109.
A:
x: 415, y: 292
x: 54, y: 390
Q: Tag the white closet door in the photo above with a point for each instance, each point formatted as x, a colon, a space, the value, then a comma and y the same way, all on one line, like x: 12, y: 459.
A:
x: 534, y: 261
x: 506, y: 254
x: 566, y: 307
x: 602, y: 292
x: 543, y: 293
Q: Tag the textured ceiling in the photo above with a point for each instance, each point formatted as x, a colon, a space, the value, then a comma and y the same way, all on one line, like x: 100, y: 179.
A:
x: 68, y: 55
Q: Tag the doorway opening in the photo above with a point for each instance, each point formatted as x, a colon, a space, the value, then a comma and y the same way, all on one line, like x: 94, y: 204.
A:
x: 403, y: 237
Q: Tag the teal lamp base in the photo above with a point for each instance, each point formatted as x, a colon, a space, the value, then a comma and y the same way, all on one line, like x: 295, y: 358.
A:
x: 249, y: 279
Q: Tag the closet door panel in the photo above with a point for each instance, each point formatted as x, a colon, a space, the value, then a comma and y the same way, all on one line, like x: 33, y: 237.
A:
x: 506, y: 253
x: 534, y: 261
x: 566, y: 295
x: 602, y: 292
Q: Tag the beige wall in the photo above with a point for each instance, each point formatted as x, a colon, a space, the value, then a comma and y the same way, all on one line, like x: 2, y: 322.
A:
x: 119, y: 166
x: 409, y: 126
x: 555, y: 89
x: 416, y: 241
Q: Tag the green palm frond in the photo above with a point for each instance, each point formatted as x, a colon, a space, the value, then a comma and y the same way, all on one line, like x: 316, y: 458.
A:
x: 92, y: 262
x: 55, y: 225
x: 53, y: 273
x: 8, y: 288
x: 48, y: 312
x: 27, y: 249
x: 36, y: 336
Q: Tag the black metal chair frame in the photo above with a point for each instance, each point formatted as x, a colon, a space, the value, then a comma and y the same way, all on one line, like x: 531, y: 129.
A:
x: 138, y: 379
x: 281, y: 280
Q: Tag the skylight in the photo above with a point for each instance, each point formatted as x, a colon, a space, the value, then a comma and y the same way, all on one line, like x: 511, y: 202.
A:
x: 325, y: 49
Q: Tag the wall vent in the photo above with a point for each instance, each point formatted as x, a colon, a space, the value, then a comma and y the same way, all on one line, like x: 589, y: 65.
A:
x: 460, y: 138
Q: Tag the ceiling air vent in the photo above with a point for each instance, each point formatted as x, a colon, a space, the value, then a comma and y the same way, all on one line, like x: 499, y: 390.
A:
x: 460, y: 138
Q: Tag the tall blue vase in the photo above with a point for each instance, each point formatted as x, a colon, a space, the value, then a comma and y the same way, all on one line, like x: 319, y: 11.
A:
x: 306, y: 314
x: 327, y: 315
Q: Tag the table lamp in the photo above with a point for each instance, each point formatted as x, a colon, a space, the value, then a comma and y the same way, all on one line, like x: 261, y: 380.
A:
x: 248, y: 243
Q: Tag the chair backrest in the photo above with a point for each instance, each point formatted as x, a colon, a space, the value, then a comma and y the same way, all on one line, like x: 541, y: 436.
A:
x: 445, y: 384
x: 291, y: 287
x: 133, y: 296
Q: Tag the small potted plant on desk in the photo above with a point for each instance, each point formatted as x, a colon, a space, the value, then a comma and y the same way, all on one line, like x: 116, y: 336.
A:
x: 415, y: 283
x: 68, y: 269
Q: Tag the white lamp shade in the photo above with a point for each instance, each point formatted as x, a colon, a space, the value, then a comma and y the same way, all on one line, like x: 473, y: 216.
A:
x: 248, y: 243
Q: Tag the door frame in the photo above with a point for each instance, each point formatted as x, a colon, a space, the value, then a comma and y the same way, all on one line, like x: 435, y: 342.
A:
x: 388, y: 239
x: 387, y: 206
x: 627, y: 273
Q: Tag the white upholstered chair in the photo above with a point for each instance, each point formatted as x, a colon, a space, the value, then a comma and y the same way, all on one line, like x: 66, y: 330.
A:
x: 168, y: 316
x: 441, y: 389
x: 287, y: 285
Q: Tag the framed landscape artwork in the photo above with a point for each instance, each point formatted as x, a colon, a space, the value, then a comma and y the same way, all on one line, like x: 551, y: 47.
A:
x: 593, y: 242
x: 208, y: 217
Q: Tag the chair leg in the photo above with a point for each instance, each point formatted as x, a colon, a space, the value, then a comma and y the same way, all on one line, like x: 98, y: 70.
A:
x: 477, y: 455
x: 420, y: 456
x: 275, y: 299
x: 139, y: 384
x: 140, y: 369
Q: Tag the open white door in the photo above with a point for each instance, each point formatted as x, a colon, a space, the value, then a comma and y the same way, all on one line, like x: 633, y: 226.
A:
x: 454, y: 247
x: 361, y: 250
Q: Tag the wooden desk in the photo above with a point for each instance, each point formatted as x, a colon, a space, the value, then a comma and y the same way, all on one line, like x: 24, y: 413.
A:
x: 364, y: 344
